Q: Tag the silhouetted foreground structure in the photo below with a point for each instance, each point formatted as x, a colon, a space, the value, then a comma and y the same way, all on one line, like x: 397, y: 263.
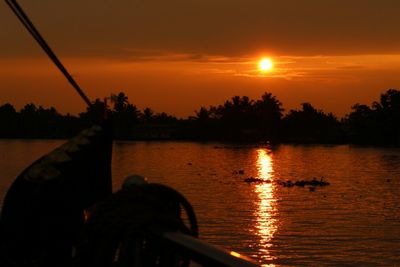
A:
x: 60, y: 211
x: 43, y: 211
x: 238, y: 119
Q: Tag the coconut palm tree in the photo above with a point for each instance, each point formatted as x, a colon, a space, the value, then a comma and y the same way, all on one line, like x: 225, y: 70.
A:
x: 120, y: 101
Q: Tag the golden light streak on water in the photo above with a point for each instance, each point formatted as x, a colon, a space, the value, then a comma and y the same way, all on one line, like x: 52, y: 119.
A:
x: 266, y: 224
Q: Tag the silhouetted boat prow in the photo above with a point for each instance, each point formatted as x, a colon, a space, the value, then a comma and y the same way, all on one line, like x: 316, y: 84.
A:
x: 60, y: 212
x: 43, y: 210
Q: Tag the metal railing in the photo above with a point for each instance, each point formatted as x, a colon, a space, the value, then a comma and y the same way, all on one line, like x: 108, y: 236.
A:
x: 204, y: 253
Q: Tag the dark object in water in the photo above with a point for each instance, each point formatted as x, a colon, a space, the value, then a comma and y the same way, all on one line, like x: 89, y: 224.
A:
x: 256, y: 180
x: 43, y: 210
x: 301, y: 183
x: 241, y: 172
x: 288, y: 183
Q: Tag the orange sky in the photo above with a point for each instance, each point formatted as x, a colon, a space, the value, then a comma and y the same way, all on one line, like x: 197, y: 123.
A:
x: 175, y: 56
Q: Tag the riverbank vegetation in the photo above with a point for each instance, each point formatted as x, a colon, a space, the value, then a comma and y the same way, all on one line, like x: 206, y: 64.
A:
x: 237, y: 119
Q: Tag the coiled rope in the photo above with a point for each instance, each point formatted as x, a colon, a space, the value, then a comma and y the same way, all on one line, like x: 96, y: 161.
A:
x: 122, y: 231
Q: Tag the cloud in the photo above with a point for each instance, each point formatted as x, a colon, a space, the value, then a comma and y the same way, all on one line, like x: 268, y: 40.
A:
x: 228, y: 28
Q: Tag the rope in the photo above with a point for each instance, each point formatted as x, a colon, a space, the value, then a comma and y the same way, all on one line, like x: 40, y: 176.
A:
x: 120, y: 231
x: 16, y: 8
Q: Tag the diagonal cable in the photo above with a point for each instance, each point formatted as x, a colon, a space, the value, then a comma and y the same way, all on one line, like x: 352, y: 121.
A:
x: 16, y: 8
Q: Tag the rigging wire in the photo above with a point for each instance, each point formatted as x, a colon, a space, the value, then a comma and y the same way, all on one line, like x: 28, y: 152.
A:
x: 16, y: 8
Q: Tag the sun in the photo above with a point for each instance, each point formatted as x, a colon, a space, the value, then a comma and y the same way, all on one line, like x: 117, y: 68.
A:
x: 265, y: 64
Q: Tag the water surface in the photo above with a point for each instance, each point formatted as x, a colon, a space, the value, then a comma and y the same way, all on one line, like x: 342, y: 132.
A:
x: 354, y: 221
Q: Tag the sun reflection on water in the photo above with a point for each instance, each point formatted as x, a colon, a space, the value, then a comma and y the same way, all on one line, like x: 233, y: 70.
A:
x: 266, y: 224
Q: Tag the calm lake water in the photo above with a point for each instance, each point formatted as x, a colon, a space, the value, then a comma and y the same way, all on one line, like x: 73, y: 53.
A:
x: 354, y: 221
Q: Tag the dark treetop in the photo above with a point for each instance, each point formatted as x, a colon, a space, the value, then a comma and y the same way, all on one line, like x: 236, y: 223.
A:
x: 238, y: 119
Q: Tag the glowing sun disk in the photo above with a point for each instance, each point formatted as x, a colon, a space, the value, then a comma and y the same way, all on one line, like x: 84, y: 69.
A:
x: 265, y: 64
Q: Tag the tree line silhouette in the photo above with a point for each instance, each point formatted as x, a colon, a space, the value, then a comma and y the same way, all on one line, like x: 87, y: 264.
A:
x: 237, y: 119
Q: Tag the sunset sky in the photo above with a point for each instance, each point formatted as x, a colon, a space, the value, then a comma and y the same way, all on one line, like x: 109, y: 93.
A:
x: 178, y: 55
